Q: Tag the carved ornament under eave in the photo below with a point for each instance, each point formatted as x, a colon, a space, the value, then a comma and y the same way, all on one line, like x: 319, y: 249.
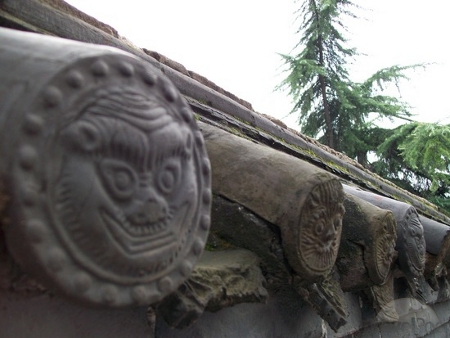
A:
x: 367, y: 249
x: 410, y: 237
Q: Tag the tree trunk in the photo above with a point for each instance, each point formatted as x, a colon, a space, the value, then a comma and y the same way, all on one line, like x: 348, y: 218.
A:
x: 323, y: 86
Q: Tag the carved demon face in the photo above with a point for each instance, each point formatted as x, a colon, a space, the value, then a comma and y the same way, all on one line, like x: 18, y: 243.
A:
x: 321, y: 227
x: 414, y: 243
x: 127, y: 192
x: 384, y: 251
x: 113, y: 181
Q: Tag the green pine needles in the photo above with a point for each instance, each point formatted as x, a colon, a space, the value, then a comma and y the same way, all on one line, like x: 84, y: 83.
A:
x: 343, y: 114
x: 331, y: 107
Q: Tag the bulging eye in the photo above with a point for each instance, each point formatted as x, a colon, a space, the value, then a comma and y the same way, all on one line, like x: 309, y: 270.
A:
x: 119, y: 178
x: 169, y: 175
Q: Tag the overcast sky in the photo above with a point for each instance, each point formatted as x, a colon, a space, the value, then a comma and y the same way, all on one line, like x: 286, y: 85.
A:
x: 234, y: 43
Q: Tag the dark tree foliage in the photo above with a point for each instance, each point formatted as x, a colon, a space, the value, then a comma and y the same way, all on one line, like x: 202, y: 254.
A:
x: 416, y: 156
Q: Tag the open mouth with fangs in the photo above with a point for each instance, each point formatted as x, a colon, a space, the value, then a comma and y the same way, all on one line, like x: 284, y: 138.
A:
x: 142, y: 237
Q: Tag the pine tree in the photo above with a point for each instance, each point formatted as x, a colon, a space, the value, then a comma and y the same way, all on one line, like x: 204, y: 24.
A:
x: 343, y: 114
x: 416, y: 156
x: 331, y: 107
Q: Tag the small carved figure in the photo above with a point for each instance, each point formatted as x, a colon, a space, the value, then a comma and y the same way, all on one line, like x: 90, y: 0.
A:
x: 326, y: 298
x: 221, y: 279
x: 383, y: 300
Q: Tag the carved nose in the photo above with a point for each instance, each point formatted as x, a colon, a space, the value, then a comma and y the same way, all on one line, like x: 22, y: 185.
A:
x: 330, y: 234
x: 150, y: 211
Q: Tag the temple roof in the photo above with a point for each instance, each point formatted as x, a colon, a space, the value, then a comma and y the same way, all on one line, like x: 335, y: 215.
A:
x: 260, y: 224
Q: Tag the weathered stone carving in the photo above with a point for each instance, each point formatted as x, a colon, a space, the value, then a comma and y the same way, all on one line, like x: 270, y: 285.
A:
x: 367, y: 251
x: 108, y: 173
x: 437, y: 239
x: 302, y: 200
x: 326, y: 298
x: 382, y: 297
x: 240, y: 227
x: 320, y: 226
x: 219, y: 280
x: 413, y: 245
x: 410, y: 238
